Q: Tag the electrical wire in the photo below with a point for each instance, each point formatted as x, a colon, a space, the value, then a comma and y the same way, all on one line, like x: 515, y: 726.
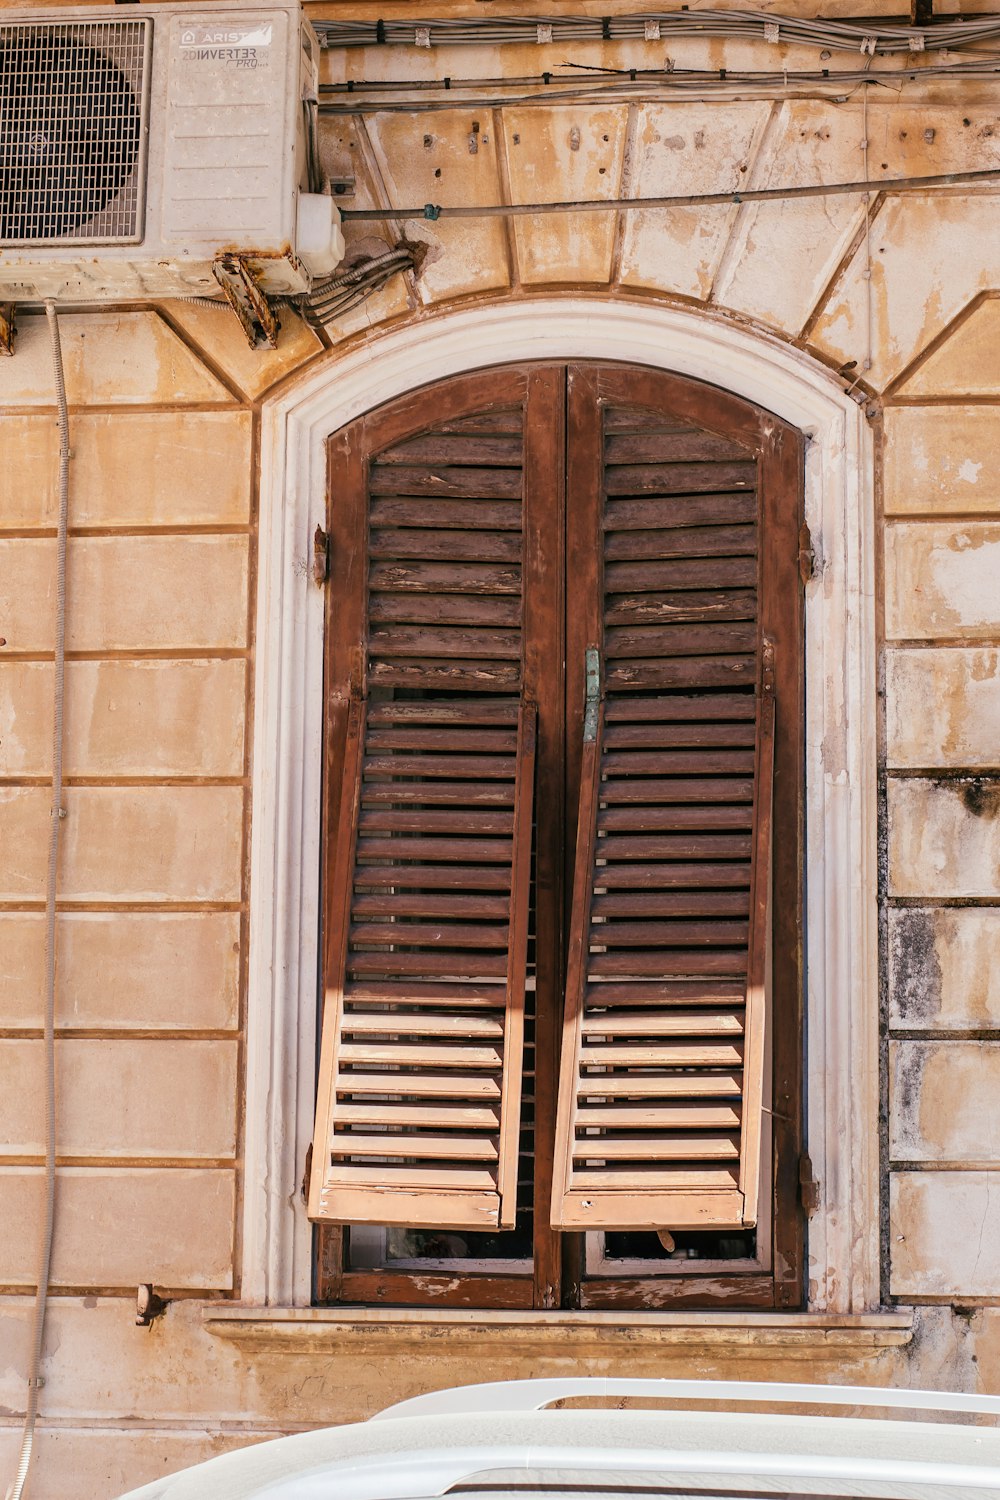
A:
x: 338, y: 294
x: 985, y: 65
x: 58, y: 813
x: 436, y: 211
x: 866, y: 362
x: 725, y: 85
x: 870, y: 37
x: 310, y: 136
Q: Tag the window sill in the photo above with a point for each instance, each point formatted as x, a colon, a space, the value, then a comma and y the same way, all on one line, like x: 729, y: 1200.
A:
x: 284, y: 1330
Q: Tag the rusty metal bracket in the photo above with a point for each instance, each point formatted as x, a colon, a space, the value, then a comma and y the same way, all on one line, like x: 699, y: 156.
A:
x: 241, y: 284
x: 8, y: 327
x: 148, y: 1305
x: 808, y: 1186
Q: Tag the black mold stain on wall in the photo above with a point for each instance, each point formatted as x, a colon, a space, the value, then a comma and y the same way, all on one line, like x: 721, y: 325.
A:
x: 980, y: 795
x: 914, y: 966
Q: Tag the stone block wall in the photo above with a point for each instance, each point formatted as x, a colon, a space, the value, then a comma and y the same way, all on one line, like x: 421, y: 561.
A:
x: 151, y: 879
x: 942, y: 680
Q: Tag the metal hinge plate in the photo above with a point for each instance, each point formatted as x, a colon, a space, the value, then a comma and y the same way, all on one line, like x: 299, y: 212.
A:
x: 807, y: 557
x: 808, y: 1186
x: 766, y: 685
x: 592, y: 669
x: 321, y: 556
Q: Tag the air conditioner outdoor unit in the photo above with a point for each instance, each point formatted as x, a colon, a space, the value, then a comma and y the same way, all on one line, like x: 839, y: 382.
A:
x: 152, y: 151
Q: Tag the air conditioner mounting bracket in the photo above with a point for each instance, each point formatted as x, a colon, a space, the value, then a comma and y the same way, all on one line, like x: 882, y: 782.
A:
x: 241, y: 284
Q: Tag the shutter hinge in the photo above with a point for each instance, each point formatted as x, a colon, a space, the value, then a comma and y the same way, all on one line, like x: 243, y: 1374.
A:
x: 766, y: 686
x: 321, y: 556
x: 307, y: 1173
x: 808, y: 1186
x: 807, y: 557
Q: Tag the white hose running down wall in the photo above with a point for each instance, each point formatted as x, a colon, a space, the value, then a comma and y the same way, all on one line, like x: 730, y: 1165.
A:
x: 16, y: 1489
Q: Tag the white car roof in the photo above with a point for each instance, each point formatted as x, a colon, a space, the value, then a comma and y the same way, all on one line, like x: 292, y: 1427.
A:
x: 493, y: 1441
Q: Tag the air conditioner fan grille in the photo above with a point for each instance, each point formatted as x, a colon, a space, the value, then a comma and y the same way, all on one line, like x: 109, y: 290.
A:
x: 72, y: 127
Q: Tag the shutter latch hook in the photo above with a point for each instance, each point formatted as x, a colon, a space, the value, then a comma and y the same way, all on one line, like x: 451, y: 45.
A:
x: 593, y: 686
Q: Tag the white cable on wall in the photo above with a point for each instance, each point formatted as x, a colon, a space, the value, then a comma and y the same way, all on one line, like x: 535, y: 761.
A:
x: 16, y: 1489
x: 871, y: 38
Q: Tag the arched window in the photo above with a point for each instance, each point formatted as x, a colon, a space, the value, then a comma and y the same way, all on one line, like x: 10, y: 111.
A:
x: 561, y: 1051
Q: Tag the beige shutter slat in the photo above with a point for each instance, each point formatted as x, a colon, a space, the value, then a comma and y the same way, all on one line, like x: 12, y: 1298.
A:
x: 413, y: 1022
x: 662, y: 1079
x: 427, y: 905
x: 758, y: 965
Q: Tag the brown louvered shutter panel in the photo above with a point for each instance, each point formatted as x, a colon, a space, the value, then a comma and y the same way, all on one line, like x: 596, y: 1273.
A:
x: 665, y: 1038
x: 429, y: 825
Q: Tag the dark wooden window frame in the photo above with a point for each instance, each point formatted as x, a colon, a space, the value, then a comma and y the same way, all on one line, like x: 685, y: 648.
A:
x: 558, y: 1278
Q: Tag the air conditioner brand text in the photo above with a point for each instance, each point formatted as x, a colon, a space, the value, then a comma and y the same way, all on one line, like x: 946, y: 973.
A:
x: 237, y: 47
x: 243, y: 57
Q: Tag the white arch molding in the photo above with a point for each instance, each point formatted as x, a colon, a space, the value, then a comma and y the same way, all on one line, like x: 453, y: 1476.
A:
x: 841, y: 963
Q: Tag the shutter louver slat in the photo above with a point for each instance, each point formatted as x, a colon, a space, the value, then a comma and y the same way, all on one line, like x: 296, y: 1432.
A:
x: 686, y: 510
x: 450, y: 676
x: 661, y: 1089
x: 421, y: 1066
x: 423, y: 1040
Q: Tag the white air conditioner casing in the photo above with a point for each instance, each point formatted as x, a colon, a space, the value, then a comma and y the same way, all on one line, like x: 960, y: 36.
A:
x: 212, y: 102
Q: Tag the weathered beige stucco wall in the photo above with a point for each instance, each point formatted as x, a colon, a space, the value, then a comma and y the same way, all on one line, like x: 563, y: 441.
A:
x: 165, y: 414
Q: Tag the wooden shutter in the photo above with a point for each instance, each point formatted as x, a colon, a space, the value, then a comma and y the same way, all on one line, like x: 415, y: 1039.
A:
x: 430, y: 814
x: 665, y: 1036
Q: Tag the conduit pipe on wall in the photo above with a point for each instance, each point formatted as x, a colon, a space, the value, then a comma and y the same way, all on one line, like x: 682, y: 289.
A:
x: 338, y: 294
x: 687, y: 200
x: 635, y: 85
x: 58, y: 813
